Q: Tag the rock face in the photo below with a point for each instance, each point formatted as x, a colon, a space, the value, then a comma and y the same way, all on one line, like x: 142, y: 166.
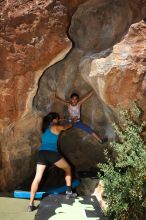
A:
x: 104, y: 58
x: 32, y: 37
x: 94, y: 28
x: 117, y: 75
x: 93, y: 187
x: 122, y: 71
x: 93, y: 112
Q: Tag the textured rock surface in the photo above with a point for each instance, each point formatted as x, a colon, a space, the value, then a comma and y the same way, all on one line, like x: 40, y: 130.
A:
x: 33, y: 37
x: 18, y: 151
x: 120, y: 72
x: 101, y: 28
x: 117, y: 76
x: 92, y: 187
x: 85, y: 152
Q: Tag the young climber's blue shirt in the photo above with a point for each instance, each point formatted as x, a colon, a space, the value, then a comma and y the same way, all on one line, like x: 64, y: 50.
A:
x: 49, y: 141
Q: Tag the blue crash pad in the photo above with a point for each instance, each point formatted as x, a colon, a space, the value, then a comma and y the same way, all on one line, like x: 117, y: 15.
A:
x: 39, y: 195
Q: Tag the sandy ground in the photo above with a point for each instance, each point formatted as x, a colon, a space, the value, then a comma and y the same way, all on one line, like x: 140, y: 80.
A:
x: 15, y: 209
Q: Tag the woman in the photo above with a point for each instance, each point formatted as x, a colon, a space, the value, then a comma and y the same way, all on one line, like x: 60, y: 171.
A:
x: 48, y: 154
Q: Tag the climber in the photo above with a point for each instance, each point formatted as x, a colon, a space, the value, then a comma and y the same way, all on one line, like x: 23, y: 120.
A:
x: 74, y: 110
x: 48, y: 154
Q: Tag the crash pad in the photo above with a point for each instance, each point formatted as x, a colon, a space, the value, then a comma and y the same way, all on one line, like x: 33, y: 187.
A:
x: 58, y: 207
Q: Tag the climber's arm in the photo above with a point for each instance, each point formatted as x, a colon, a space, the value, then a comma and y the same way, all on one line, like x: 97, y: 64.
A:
x: 61, y: 100
x: 88, y: 95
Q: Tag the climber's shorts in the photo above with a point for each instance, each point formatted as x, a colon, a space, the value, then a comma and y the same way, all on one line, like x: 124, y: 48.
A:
x: 83, y: 127
x: 46, y: 157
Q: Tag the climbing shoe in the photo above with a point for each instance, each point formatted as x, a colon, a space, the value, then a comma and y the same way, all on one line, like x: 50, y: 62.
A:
x: 70, y: 194
x: 31, y: 208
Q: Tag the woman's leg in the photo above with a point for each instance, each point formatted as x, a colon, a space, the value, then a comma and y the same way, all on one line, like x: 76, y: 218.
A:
x: 34, y: 187
x: 62, y: 164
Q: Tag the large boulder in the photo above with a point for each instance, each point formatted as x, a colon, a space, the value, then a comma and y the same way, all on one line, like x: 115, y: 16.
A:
x: 98, y: 25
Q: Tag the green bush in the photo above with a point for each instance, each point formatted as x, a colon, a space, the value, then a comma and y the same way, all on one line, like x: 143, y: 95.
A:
x: 124, y: 176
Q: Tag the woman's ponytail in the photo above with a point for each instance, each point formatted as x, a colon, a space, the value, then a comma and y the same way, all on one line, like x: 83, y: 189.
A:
x: 48, y: 119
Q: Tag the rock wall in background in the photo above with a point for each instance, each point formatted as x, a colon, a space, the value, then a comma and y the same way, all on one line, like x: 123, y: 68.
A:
x: 32, y: 37
x: 105, y: 57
